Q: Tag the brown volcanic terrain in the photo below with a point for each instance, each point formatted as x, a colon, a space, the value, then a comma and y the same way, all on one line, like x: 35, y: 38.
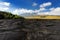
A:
x: 17, y: 29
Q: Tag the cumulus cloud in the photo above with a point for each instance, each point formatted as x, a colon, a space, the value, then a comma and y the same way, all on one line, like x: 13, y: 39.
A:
x: 4, y: 3
x: 22, y: 11
x: 4, y: 9
x: 34, y: 4
x: 4, y: 6
x: 46, y: 4
x: 53, y: 11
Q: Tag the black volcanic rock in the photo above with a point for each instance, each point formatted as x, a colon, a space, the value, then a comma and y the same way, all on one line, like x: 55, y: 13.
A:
x: 42, y: 29
x: 10, y: 29
x: 25, y: 29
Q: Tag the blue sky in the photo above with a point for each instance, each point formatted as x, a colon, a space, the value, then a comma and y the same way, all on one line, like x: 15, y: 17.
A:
x: 28, y: 3
x: 41, y: 7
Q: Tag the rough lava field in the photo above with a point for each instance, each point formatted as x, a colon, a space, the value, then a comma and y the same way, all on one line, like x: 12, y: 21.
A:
x: 17, y: 29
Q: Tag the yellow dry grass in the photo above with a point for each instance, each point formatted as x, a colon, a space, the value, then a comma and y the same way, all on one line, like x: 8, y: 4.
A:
x: 43, y: 17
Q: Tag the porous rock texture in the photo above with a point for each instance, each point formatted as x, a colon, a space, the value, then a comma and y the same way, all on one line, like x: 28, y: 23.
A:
x: 17, y: 29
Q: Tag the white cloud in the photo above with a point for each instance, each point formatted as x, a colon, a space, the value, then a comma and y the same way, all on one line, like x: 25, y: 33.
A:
x: 42, y: 9
x: 46, y: 4
x: 22, y: 11
x: 3, y: 9
x: 4, y: 6
x: 53, y: 11
x: 4, y: 3
x: 56, y: 11
x: 34, y: 4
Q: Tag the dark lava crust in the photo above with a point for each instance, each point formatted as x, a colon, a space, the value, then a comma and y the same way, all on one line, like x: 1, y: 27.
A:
x: 17, y: 29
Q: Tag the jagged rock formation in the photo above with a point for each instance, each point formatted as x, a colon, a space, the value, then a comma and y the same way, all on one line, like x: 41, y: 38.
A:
x: 17, y: 29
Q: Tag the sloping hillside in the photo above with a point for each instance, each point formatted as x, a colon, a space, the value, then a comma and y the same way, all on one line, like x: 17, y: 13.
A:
x: 7, y: 15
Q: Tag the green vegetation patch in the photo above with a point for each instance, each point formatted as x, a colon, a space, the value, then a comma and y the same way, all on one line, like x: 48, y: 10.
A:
x: 8, y: 15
